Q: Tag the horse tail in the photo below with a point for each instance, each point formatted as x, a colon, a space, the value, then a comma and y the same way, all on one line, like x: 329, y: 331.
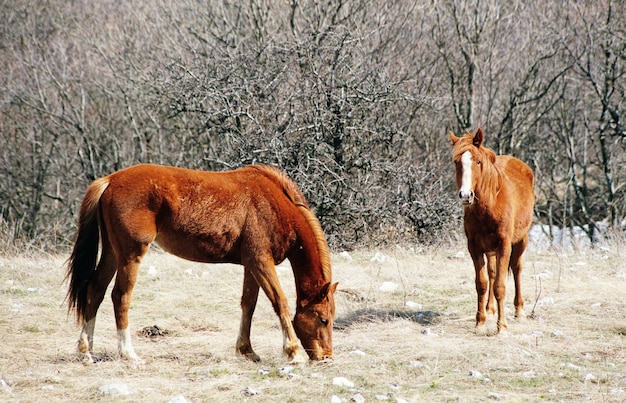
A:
x: 81, y: 267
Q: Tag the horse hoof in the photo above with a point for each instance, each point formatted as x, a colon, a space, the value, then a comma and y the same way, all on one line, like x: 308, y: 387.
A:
x: 88, y: 359
x: 297, y: 360
x: 254, y: 357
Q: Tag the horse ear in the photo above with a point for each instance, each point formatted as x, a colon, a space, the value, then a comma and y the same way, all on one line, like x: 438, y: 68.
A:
x: 453, y: 138
x: 327, y: 289
x: 478, y: 137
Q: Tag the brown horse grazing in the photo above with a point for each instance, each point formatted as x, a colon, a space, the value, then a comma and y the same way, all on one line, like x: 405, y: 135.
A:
x: 254, y: 216
x: 497, y: 192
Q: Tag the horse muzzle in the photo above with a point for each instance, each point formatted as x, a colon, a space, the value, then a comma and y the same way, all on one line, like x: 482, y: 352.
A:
x: 467, y: 198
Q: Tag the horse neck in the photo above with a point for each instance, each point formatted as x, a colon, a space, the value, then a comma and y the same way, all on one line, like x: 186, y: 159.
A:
x: 307, y: 274
x: 309, y: 266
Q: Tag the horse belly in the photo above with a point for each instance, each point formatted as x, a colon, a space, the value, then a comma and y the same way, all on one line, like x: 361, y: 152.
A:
x: 206, y: 249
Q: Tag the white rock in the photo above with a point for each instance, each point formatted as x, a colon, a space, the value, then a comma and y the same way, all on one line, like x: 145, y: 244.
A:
x: 546, y: 301
x: 285, y: 370
x: 546, y: 274
x: 4, y: 386
x: 413, y: 305
x: 495, y: 396
x: 115, y: 389
x: 335, y: 399
x: 388, y: 286
x: 178, y: 399
x: 378, y: 257
x: 248, y: 392
x: 475, y: 374
x: 152, y: 271
x: 344, y: 382
x: 345, y: 256
x: 189, y: 272
x: 358, y: 398
x: 357, y: 352
x: 428, y: 332
x: 590, y: 378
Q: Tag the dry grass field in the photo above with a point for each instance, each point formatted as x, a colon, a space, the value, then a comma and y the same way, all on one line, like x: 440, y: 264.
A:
x: 415, y: 343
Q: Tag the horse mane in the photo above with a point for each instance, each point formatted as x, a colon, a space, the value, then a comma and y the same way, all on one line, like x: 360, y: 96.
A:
x: 294, y: 194
x: 491, y: 180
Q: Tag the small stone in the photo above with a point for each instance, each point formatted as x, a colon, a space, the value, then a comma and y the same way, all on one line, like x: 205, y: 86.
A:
x: 495, y: 396
x: 388, y: 286
x: 178, y: 399
x: 249, y: 392
x: 345, y: 256
x: 343, y: 382
x: 358, y: 398
x: 115, y: 389
x: 378, y: 257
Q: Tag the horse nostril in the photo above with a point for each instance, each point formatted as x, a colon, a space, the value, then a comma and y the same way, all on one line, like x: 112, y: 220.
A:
x: 460, y: 195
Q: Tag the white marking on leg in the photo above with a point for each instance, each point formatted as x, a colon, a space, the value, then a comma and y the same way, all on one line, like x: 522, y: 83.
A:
x: 465, y: 191
x: 125, y: 345
x: 85, y: 340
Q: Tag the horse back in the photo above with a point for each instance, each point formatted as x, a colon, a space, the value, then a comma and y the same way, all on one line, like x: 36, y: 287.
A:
x: 198, y: 215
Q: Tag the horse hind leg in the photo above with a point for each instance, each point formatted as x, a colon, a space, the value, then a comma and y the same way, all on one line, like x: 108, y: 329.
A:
x: 121, y: 296
x: 249, y: 299
x: 95, y: 295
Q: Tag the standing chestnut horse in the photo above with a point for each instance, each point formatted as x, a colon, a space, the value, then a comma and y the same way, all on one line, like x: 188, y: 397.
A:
x: 497, y: 192
x: 254, y: 216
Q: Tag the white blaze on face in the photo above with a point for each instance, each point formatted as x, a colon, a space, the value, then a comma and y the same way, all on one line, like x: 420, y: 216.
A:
x: 465, y: 191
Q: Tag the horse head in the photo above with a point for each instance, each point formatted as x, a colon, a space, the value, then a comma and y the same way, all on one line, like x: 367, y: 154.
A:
x: 313, y: 323
x: 469, y: 159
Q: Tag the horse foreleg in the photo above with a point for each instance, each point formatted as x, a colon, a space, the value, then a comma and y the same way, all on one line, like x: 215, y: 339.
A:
x: 267, y: 279
x: 248, y: 304
x: 499, y: 287
x: 491, y: 270
x: 121, y: 296
x: 482, y: 285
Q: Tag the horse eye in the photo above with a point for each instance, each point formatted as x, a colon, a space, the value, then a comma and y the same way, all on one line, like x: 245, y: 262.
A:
x: 324, y: 321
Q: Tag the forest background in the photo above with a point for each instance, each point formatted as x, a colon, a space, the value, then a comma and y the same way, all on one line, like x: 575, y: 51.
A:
x: 353, y: 98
